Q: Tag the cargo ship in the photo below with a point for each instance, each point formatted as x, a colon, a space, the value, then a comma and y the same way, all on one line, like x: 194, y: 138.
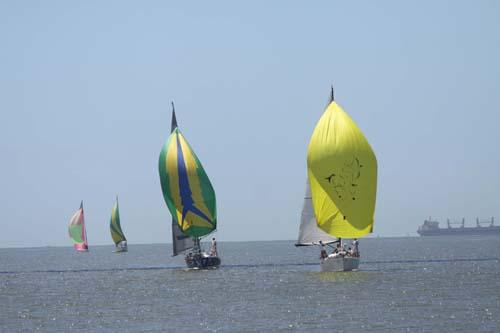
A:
x: 483, y: 227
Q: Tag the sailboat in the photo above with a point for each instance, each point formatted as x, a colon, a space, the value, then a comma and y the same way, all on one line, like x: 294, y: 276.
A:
x: 116, y: 230
x: 77, y: 232
x: 342, y: 173
x: 190, y: 198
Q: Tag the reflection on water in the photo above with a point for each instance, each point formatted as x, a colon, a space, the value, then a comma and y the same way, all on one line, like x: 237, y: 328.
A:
x: 358, y: 275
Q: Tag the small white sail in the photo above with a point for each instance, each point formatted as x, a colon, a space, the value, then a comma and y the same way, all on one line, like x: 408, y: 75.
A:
x: 309, y: 233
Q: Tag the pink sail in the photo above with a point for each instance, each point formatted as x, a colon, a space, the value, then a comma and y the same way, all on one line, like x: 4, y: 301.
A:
x: 77, y: 230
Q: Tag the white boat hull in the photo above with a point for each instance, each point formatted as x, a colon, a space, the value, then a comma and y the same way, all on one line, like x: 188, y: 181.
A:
x: 121, y: 247
x: 339, y: 264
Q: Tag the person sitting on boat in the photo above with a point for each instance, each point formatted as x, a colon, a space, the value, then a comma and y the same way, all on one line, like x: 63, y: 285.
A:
x: 323, y: 254
x: 213, y: 248
x: 336, y: 252
x: 189, y: 258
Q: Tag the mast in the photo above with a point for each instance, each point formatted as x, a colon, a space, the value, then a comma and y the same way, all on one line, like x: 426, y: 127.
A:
x: 331, y: 96
x: 180, y: 242
x: 173, y: 123
x: 309, y: 232
x: 85, y: 241
x: 176, y: 230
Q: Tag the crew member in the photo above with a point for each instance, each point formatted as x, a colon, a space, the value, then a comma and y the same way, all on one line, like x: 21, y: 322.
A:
x: 213, y: 248
x: 323, y: 254
x: 355, y: 247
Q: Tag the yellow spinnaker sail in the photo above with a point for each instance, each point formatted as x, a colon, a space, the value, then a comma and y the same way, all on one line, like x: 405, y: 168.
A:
x: 342, y: 170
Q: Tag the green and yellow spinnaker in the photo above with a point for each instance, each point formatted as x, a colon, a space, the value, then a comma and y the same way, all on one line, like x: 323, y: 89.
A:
x: 342, y: 171
x: 186, y: 188
x: 114, y: 225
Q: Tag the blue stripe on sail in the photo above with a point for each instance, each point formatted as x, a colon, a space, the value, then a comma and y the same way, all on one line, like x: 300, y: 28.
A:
x: 184, y: 189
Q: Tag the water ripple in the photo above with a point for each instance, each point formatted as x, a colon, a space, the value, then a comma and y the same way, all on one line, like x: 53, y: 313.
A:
x: 262, y: 265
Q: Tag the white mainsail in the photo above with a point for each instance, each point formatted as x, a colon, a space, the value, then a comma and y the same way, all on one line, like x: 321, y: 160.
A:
x: 309, y: 233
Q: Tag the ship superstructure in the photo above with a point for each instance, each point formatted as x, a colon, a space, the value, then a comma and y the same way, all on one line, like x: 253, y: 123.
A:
x: 454, y: 227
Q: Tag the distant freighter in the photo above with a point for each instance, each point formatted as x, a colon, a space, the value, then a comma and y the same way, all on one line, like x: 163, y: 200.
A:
x: 485, y: 227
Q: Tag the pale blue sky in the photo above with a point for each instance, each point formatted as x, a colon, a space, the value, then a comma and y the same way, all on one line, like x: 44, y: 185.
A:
x: 85, y: 108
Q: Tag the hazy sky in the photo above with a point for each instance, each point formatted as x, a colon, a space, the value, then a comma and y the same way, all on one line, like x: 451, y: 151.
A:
x: 85, y: 108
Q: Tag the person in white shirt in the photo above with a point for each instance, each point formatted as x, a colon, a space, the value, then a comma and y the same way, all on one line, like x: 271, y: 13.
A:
x: 213, y: 248
x: 355, y: 247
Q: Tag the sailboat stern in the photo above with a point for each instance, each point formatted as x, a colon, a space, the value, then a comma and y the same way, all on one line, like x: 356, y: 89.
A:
x: 340, y: 264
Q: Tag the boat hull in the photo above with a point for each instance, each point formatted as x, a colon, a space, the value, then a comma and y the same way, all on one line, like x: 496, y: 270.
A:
x: 81, y: 248
x: 120, y: 249
x: 465, y: 231
x: 203, y: 262
x: 339, y: 264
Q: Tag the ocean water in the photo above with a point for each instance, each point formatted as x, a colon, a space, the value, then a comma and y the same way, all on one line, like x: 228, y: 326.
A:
x: 437, y: 284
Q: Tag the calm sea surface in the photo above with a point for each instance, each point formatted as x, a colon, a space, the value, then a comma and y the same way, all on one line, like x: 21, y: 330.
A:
x: 441, y: 284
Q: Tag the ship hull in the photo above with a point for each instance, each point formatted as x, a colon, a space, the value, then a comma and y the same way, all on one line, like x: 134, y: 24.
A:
x: 481, y: 231
x: 339, y: 264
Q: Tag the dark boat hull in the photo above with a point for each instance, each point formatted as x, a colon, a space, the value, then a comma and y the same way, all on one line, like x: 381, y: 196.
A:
x: 204, y: 262
x: 466, y: 231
